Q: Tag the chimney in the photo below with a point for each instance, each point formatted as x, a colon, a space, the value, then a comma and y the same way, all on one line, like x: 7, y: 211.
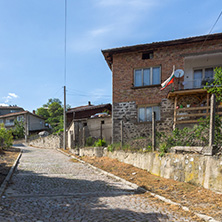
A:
x: 33, y: 111
x: 89, y: 103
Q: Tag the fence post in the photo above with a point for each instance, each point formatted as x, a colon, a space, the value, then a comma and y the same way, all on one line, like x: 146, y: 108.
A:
x: 84, y: 136
x: 101, y: 130
x: 153, y: 131
x: 212, y: 120
x: 121, y: 133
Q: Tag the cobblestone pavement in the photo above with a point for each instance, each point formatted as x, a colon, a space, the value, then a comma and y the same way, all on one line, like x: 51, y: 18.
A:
x: 47, y: 186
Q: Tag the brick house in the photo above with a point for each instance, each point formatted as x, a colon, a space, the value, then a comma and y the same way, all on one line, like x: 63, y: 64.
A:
x: 138, y: 71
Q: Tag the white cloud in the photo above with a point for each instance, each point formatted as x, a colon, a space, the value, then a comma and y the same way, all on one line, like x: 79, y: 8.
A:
x: 99, y: 31
x: 10, y: 97
x: 3, y: 104
x: 13, y: 95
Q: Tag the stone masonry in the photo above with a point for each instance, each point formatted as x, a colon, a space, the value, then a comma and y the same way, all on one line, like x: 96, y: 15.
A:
x: 127, y: 112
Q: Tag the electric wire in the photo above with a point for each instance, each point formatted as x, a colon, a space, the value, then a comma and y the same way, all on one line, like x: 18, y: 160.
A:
x: 211, y: 29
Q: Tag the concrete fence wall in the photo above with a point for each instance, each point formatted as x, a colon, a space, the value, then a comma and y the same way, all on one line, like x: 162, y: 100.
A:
x: 197, y: 169
x: 52, y: 141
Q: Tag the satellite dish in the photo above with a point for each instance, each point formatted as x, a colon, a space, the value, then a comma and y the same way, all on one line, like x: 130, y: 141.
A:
x: 179, y: 73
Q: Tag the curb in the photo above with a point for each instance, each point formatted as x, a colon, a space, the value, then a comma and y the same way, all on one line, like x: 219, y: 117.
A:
x: 142, y: 190
x: 8, y: 177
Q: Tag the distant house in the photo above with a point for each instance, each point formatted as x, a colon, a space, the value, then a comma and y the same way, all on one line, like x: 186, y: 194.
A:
x: 138, y: 72
x: 32, y: 122
x: 10, y: 109
x: 89, y: 121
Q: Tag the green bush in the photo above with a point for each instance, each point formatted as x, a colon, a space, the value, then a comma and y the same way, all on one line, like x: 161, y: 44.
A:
x: 111, y: 148
x: 89, y: 141
x: 100, y: 143
x: 18, y: 130
x: 6, y: 137
x: 163, y: 149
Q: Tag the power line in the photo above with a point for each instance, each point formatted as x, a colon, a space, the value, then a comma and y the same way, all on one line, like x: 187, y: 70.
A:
x: 211, y: 29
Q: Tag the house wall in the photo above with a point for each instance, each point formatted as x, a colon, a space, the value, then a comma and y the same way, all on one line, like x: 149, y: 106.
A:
x: 195, y: 62
x: 127, y: 112
x: 94, y: 128
x: 127, y: 98
x: 4, y: 111
x: 78, y: 133
x: 35, y: 123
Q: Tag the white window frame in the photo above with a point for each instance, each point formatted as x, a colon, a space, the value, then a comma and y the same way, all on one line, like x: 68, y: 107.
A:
x: 203, y: 70
x: 158, y: 118
x: 151, y: 76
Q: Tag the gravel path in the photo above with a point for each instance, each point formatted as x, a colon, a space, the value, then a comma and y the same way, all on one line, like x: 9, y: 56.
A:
x: 47, y: 186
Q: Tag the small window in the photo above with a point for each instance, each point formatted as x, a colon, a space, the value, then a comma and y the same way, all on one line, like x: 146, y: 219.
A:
x: 84, y: 124
x: 145, y: 113
x: 147, y: 76
x: 147, y: 55
x: 102, y: 122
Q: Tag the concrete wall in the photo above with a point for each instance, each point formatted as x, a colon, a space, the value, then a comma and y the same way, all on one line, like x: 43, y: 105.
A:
x: 200, y: 170
x: 49, y: 142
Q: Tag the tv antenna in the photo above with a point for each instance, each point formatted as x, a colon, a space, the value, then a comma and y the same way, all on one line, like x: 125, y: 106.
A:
x: 178, y: 74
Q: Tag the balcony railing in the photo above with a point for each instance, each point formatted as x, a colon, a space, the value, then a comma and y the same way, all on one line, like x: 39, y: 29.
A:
x: 197, y: 83
x: 9, y: 124
x: 193, y: 114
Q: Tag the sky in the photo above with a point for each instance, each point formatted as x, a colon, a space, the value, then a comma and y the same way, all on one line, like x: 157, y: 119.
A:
x: 32, y: 40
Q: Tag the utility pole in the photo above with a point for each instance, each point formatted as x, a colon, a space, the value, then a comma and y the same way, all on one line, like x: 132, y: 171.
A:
x: 64, y: 109
x: 64, y: 120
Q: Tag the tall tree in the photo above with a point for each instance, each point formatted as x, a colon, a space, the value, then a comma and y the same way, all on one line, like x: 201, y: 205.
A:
x: 52, y: 111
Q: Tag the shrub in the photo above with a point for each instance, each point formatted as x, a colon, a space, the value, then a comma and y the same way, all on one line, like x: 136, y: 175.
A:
x: 6, y: 137
x: 100, y: 143
x: 89, y: 141
x: 18, y: 130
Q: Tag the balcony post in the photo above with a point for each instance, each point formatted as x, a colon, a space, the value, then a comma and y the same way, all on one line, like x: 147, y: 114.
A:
x: 212, y: 119
x: 175, y: 112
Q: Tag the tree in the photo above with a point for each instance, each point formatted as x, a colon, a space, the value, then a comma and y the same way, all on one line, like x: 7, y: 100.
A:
x: 6, y: 137
x: 52, y: 111
x: 216, y: 86
x: 18, y: 130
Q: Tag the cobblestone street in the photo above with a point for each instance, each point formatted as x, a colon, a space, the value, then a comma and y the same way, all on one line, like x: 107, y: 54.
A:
x: 47, y: 186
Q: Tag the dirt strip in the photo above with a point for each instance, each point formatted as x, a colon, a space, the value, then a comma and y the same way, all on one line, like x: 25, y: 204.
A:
x: 197, y: 199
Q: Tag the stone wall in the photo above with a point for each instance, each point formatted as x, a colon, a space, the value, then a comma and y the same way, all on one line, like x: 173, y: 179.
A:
x: 52, y: 141
x: 205, y: 171
x: 127, y: 112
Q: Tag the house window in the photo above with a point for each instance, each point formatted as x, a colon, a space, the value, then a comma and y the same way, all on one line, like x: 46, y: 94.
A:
x: 202, y: 76
x: 1, y: 121
x: 147, y: 76
x: 145, y: 113
x: 147, y: 55
x: 20, y: 118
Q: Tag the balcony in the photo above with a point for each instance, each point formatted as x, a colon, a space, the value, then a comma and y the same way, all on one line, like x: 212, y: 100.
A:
x: 9, y: 124
x: 196, y: 84
x: 193, y: 114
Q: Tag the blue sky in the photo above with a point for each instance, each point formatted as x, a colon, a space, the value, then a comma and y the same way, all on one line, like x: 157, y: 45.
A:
x: 32, y: 43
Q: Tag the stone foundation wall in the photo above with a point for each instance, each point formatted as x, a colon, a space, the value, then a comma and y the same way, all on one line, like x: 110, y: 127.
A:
x: 127, y: 112
x: 205, y: 171
x: 52, y: 141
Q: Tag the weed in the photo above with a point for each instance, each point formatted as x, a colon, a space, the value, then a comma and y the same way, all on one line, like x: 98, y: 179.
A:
x: 100, y: 143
